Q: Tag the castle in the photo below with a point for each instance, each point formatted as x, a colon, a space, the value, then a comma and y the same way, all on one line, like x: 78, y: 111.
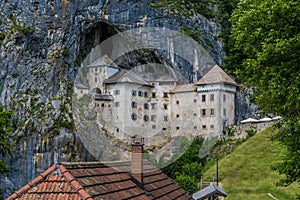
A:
x: 151, y: 101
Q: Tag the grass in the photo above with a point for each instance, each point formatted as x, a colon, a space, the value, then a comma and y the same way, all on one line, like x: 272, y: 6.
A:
x: 247, y: 172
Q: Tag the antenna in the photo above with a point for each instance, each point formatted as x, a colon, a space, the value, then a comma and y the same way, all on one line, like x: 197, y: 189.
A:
x: 217, y: 170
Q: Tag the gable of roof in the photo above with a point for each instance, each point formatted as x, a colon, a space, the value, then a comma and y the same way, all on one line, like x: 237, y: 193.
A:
x: 102, y: 62
x: 211, y: 190
x: 96, y: 180
x: 216, y: 75
x: 126, y: 76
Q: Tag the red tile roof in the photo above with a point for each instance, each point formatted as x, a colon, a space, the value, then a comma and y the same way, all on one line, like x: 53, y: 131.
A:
x: 96, y: 180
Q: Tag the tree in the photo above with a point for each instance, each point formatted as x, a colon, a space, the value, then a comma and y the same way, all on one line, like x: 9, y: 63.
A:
x: 267, y: 35
x: 5, y: 130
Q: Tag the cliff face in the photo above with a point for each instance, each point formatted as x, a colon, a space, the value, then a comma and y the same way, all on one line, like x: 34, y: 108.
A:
x: 43, y: 43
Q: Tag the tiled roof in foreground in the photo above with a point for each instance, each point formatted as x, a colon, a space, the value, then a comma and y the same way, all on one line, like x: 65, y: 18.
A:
x: 96, y: 180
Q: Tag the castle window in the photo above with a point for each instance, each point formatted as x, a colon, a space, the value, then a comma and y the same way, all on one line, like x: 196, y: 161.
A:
x: 203, y: 126
x: 152, y: 105
x: 224, y: 97
x: 195, y: 114
x: 166, y: 106
x: 153, y: 126
x: 165, y: 95
x: 133, y: 116
x: 146, y: 106
x: 177, y: 128
x: 212, y: 97
x: 133, y: 92
x: 140, y: 93
x: 96, y: 69
x: 81, y: 91
x: 212, y: 111
x: 102, y: 105
x: 195, y: 127
x: 153, y: 94
x: 203, y: 112
x: 116, y: 104
x: 212, y: 126
x: 177, y: 102
x: 134, y: 104
x: 117, y: 130
x: 116, y: 92
x: 177, y: 116
x: 203, y: 98
x: 224, y: 112
x: 165, y: 118
x: 152, y: 118
x: 96, y: 79
x: 195, y: 100
x: 146, y: 118
x: 164, y: 129
x: 145, y: 94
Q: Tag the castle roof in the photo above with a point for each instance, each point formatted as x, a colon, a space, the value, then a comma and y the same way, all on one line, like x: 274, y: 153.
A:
x: 125, y: 76
x: 103, y: 62
x: 184, y: 88
x: 97, y: 180
x: 216, y: 75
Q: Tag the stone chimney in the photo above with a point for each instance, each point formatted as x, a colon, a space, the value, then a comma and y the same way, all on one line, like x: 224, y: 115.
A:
x: 137, y: 146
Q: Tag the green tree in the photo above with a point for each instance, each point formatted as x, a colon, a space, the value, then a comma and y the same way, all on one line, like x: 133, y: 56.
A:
x: 5, y: 130
x: 266, y: 34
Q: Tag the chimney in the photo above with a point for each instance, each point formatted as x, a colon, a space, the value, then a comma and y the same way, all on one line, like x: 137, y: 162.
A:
x: 137, y: 147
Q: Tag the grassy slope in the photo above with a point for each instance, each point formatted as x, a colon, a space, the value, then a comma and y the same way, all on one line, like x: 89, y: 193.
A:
x: 246, y: 173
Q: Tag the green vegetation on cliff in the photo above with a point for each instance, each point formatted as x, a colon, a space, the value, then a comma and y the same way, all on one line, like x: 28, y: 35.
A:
x: 247, y: 173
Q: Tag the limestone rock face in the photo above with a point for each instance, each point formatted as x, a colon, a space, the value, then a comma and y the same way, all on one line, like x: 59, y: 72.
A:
x: 43, y: 43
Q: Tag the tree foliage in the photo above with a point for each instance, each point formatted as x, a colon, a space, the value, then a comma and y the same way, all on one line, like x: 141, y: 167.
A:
x: 266, y: 48
x: 5, y: 129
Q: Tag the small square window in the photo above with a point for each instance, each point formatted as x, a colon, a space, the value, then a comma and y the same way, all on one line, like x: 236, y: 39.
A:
x: 165, y: 95
x: 116, y: 104
x: 140, y: 93
x: 164, y: 129
x: 203, y: 126
x: 177, y: 102
x: 152, y: 105
x: 212, y: 126
x: 102, y: 105
x: 195, y: 127
x: 166, y: 106
x: 146, y: 118
x: 177, y: 128
x: 195, y: 114
x: 153, y: 127
x: 116, y: 92
x: 133, y: 116
x: 146, y: 106
x: 177, y: 116
x: 146, y: 94
x: 195, y: 100
x: 133, y: 92
x: 134, y: 104
x: 153, y: 94
x: 153, y: 117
